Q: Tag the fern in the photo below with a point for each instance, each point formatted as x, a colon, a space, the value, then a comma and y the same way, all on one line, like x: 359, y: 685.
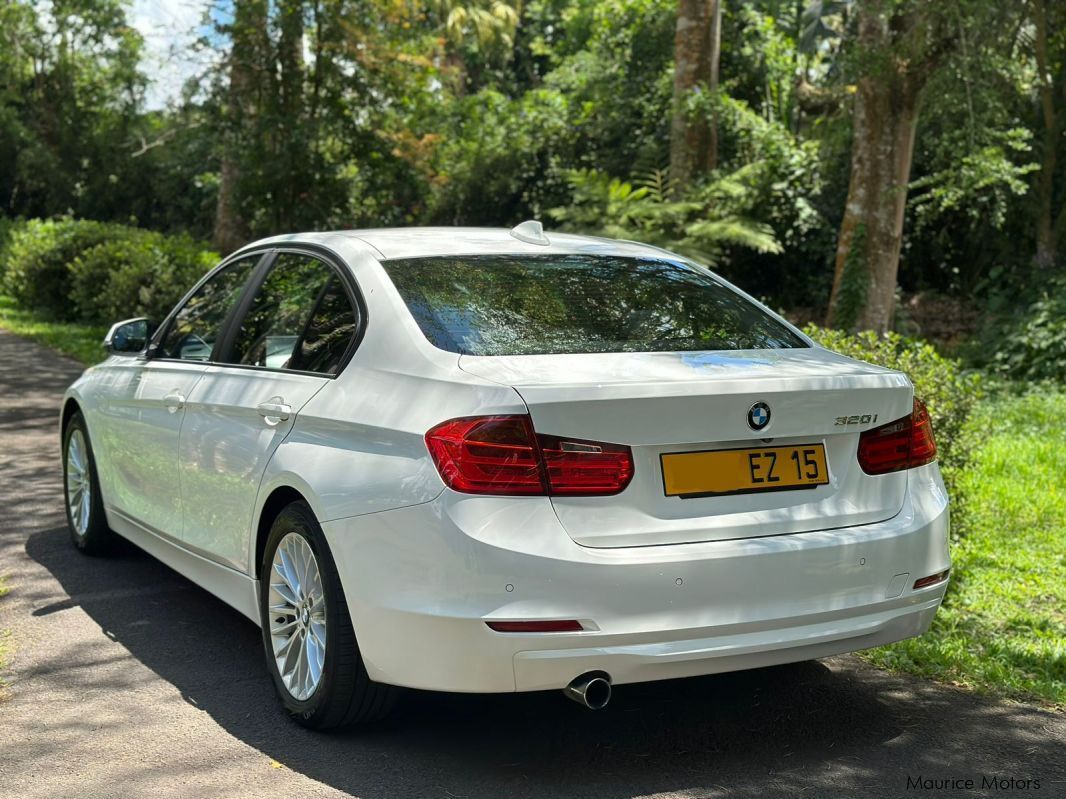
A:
x: 704, y: 223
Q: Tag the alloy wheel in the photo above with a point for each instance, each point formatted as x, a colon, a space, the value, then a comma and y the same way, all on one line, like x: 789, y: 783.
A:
x: 297, y: 616
x: 79, y: 482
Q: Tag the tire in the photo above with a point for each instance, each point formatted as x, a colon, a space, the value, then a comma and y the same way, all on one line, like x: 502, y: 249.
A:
x: 81, y: 491
x: 343, y: 694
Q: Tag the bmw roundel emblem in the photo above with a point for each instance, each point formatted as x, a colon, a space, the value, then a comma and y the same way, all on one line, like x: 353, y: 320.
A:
x: 758, y: 416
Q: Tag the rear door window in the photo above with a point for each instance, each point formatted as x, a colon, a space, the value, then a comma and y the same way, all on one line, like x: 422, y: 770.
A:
x: 524, y: 305
x: 301, y: 319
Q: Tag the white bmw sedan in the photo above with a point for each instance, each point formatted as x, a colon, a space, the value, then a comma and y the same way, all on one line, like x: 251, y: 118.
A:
x: 495, y: 461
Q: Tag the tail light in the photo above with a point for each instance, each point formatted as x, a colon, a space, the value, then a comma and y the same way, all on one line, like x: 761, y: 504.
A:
x: 902, y: 444
x: 504, y: 455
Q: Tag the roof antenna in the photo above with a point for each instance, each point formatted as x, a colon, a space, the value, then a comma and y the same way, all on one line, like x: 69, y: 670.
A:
x: 531, y: 232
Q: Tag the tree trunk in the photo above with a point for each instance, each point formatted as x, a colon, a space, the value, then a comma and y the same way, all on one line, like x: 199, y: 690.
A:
x: 697, y: 44
x: 871, y: 234
x: 1046, y: 240
x: 246, y: 63
x: 712, y: 83
x: 885, y: 118
x: 291, y: 104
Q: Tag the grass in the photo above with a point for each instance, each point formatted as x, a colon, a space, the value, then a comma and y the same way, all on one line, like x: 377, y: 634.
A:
x: 81, y: 342
x: 1002, y: 628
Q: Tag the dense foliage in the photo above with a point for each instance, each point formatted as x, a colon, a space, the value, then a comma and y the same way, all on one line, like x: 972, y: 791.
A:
x: 70, y: 269
x: 348, y: 113
x: 1027, y: 339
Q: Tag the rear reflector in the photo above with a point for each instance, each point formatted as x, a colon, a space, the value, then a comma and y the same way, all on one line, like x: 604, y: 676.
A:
x: 503, y: 455
x: 562, y: 626
x: 932, y: 579
x: 902, y: 444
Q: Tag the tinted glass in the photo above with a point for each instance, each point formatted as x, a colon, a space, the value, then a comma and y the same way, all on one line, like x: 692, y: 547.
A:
x: 192, y: 334
x: 301, y: 318
x: 518, y: 305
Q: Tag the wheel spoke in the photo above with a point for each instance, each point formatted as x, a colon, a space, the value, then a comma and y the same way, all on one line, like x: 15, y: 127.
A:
x: 285, y: 568
x: 285, y: 593
x: 283, y: 628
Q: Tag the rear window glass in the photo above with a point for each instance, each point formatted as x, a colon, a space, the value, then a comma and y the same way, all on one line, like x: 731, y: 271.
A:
x: 526, y: 305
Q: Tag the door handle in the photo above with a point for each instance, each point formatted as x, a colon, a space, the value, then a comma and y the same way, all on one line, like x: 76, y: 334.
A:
x: 174, y: 401
x: 274, y: 410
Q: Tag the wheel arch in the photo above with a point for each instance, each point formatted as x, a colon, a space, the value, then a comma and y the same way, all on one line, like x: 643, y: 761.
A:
x: 71, y: 406
x: 277, y: 500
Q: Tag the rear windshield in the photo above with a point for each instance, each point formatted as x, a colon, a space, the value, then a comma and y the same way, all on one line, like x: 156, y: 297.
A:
x: 526, y: 305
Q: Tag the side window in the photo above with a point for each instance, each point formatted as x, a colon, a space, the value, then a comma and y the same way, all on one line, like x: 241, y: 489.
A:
x: 301, y: 318
x: 194, y: 330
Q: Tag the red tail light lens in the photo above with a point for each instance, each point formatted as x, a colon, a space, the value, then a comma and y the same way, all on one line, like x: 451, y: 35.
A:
x: 585, y: 468
x: 503, y: 455
x: 902, y: 444
x: 487, y: 455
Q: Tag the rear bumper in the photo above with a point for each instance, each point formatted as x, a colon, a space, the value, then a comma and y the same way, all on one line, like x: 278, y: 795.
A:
x: 421, y: 582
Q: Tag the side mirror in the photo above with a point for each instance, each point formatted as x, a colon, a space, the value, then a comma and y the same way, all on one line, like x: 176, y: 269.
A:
x: 128, y: 337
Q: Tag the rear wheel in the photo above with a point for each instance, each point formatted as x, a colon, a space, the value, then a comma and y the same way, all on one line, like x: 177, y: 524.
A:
x: 310, y: 644
x: 81, y: 490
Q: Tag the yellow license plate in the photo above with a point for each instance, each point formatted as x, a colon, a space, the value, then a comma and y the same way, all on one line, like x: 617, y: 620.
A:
x: 741, y: 471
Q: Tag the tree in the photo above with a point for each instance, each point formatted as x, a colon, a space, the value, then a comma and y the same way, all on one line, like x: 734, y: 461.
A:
x: 1049, y: 49
x: 697, y: 51
x: 248, y: 71
x: 899, y: 43
x: 70, y: 95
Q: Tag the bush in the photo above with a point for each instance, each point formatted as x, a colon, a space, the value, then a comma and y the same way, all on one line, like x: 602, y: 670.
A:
x: 141, y: 273
x: 77, y: 269
x: 1031, y: 345
x: 38, y: 257
x: 7, y: 227
x: 950, y: 393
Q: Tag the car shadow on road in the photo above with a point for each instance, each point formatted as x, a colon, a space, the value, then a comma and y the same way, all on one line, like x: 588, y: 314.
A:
x: 789, y: 727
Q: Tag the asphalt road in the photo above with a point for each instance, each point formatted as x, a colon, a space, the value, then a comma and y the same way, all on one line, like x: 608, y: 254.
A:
x: 127, y: 680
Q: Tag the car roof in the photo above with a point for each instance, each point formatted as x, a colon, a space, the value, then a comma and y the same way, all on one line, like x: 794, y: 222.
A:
x: 424, y: 242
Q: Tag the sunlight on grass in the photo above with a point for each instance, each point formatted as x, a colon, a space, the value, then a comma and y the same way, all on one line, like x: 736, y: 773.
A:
x: 1003, y: 626
x: 81, y: 342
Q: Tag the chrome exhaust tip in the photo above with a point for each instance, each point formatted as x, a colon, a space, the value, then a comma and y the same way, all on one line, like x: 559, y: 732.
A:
x: 591, y: 690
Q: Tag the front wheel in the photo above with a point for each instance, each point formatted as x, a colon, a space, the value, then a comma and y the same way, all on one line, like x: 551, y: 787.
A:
x: 310, y: 643
x: 81, y: 490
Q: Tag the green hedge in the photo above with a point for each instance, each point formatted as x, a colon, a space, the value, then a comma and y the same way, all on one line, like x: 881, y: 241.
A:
x: 949, y: 392
x: 38, y: 257
x: 141, y: 274
x: 76, y: 269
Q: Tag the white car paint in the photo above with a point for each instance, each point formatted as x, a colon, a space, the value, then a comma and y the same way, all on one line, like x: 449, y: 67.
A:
x: 664, y: 587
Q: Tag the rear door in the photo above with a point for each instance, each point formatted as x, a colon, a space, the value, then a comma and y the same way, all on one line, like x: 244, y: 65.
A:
x: 291, y: 336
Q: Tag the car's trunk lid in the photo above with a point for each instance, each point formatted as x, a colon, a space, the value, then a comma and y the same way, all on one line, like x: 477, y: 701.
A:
x: 663, y: 403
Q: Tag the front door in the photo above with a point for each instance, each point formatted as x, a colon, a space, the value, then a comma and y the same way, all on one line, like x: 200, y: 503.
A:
x: 146, y: 400
x: 287, y: 346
